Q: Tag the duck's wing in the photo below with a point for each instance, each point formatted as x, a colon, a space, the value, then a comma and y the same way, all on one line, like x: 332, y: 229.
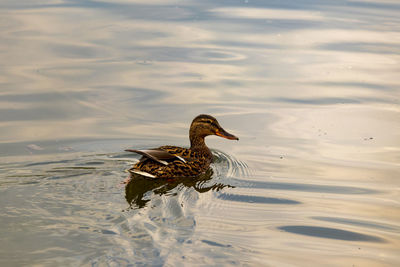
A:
x: 157, y: 154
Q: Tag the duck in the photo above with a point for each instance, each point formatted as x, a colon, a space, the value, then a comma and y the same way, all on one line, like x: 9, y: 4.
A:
x: 172, y: 161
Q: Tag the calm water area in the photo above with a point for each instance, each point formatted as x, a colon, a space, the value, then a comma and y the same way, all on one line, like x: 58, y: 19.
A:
x: 311, y: 88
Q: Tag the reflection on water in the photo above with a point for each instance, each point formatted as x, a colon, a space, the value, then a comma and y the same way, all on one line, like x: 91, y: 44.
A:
x: 304, y: 187
x: 256, y: 199
x: 138, y: 187
x: 311, y: 86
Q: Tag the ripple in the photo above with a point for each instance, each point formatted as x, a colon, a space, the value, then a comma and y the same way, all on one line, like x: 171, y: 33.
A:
x: 79, y: 174
x: 356, y: 223
x: 362, y: 47
x: 217, y: 55
x: 47, y: 163
x: 331, y: 233
x: 227, y: 165
x: 331, y: 100
x: 216, y: 244
x: 256, y: 199
x: 334, y: 189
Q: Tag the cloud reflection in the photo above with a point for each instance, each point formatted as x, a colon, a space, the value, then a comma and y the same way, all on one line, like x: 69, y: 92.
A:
x: 266, y: 13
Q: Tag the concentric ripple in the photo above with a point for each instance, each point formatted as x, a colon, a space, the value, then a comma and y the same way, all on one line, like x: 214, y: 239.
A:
x: 228, y: 166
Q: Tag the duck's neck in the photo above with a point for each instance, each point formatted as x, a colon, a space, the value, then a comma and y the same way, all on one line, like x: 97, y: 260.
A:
x: 197, y: 144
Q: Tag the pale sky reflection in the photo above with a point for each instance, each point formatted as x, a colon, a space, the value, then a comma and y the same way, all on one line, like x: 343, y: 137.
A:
x: 265, y: 13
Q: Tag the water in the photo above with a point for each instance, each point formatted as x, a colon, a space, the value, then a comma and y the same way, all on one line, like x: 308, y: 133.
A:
x: 310, y: 87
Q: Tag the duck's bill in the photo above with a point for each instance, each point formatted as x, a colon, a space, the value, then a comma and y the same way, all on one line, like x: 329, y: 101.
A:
x: 221, y: 132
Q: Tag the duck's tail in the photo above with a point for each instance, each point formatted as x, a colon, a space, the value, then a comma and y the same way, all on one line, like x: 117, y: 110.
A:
x: 146, y: 174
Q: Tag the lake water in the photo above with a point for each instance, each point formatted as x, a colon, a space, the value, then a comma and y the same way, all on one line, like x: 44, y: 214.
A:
x: 311, y: 88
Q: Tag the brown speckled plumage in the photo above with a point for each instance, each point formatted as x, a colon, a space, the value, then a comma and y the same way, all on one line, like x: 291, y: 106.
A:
x: 173, y: 161
x: 195, y: 164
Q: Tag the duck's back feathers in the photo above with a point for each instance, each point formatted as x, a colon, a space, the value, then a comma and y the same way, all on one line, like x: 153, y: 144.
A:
x: 157, y: 154
x: 169, y: 161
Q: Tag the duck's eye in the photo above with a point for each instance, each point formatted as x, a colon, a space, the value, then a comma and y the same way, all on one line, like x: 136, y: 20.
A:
x: 212, y: 123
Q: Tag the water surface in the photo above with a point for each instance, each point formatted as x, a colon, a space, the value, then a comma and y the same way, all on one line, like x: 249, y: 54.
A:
x: 311, y: 88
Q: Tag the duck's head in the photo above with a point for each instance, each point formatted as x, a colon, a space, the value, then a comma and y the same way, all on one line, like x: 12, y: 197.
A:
x: 204, y: 125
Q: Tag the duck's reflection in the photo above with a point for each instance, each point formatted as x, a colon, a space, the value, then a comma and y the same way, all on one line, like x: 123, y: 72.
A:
x: 138, y: 187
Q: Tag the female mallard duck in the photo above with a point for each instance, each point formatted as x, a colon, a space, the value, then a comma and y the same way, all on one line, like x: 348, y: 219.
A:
x: 173, y: 161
